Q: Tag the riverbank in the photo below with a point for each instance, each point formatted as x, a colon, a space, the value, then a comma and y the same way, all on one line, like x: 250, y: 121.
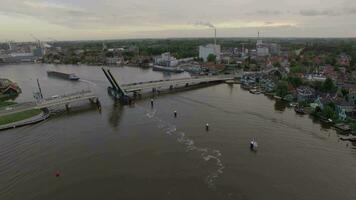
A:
x: 23, y: 118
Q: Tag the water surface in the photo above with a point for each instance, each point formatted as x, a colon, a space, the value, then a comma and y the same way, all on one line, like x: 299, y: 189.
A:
x: 136, y: 152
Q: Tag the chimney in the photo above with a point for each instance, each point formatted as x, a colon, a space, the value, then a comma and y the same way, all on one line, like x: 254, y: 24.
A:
x: 215, y: 36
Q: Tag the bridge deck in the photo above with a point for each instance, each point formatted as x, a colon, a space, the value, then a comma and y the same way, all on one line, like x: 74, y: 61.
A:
x: 49, y: 102
x: 65, y: 99
x: 175, y: 82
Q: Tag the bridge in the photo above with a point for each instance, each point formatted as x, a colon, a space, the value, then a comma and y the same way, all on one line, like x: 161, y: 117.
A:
x: 52, y: 102
x: 67, y: 99
x: 121, y: 92
x: 184, y: 82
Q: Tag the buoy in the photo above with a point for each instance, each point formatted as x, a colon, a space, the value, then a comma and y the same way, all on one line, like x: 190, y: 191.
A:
x: 57, y: 174
x: 175, y: 113
x: 207, y: 127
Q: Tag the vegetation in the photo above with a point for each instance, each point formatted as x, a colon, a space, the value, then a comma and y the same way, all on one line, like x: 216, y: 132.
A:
x: 295, y: 81
x: 6, y: 103
x: 282, y: 88
x: 328, y: 86
x: 19, y: 116
x: 211, y: 58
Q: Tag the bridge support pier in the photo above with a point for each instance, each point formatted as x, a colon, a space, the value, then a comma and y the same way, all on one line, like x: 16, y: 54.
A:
x: 67, y: 107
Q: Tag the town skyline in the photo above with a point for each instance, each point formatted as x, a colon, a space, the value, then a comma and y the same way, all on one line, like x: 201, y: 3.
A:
x: 114, y: 19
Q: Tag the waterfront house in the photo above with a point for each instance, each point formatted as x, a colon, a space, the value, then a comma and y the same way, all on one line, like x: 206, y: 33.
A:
x: 351, y: 88
x: 305, y: 93
x: 321, y: 100
x: 345, y: 108
x: 352, y: 97
x: 8, y: 87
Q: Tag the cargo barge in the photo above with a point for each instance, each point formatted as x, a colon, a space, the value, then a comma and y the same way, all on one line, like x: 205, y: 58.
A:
x: 71, y: 77
x: 167, y: 69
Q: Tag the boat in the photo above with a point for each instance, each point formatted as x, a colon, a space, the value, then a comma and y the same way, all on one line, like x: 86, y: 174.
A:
x: 167, y: 69
x: 230, y: 82
x: 299, y: 110
x: 254, y: 91
x: 293, y: 104
x: 71, y: 76
x: 253, y: 145
x: 277, y: 97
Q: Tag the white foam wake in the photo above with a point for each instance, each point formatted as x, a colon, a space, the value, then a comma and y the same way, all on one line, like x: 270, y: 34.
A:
x: 207, y: 154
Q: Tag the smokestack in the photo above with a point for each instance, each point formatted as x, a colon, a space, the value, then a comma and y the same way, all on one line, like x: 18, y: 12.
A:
x: 215, y: 36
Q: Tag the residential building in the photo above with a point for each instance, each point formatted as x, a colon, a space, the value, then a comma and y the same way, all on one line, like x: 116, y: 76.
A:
x: 305, y: 93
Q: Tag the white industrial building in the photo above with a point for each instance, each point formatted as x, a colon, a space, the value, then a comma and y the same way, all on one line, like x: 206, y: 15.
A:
x: 261, y: 49
x: 205, y: 51
x: 166, y: 59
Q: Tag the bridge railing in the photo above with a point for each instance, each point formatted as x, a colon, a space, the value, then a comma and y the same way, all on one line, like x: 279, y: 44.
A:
x: 178, y: 79
x: 71, y: 96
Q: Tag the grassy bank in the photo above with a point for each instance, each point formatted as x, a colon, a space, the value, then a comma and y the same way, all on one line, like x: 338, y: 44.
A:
x: 19, y: 116
x: 6, y: 103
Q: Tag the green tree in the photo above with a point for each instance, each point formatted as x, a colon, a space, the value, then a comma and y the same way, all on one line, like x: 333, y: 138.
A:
x: 329, y: 112
x: 344, y: 92
x: 295, y: 81
x: 282, y: 88
x: 328, y: 85
x: 211, y: 58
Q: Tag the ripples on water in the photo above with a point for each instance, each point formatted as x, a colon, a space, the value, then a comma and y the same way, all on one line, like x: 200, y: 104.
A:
x: 207, y: 154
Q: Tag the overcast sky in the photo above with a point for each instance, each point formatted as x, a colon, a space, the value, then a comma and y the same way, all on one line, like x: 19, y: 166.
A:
x: 120, y: 19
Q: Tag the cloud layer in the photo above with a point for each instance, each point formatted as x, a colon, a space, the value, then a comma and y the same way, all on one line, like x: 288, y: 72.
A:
x: 107, y: 19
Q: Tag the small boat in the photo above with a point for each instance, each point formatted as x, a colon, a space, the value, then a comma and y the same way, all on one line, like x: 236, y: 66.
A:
x: 292, y: 104
x: 299, y: 110
x: 253, y: 145
x: 255, y: 91
x: 230, y: 82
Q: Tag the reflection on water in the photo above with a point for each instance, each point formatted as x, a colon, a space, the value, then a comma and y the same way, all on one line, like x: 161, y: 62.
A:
x: 280, y: 105
x: 115, y: 114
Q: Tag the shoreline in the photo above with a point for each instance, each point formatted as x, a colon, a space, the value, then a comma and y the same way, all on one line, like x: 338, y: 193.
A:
x: 45, y: 114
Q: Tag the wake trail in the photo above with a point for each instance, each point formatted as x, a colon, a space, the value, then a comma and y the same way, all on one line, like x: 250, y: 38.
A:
x: 207, y: 154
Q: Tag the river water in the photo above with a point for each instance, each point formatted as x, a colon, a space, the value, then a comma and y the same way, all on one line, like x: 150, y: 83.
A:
x: 139, y: 152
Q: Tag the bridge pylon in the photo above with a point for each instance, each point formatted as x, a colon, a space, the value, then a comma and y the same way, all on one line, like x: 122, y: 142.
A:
x: 115, y: 90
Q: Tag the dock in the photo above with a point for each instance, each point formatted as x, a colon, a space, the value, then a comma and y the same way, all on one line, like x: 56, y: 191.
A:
x: 351, y: 138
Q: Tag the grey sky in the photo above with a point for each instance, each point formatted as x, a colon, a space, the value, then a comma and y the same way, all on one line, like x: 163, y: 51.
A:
x: 111, y: 19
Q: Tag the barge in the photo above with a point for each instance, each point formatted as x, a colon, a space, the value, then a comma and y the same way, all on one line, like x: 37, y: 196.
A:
x: 71, y: 77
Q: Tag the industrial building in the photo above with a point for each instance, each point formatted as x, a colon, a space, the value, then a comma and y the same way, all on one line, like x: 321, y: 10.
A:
x: 205, y: 51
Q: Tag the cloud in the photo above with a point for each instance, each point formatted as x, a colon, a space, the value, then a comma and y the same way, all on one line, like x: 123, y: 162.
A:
x: 133, y: 17
x: 311, y: 13
x: 269, y: 12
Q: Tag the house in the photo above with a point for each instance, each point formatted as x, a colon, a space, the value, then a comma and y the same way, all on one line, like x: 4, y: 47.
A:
x: 345, y: 107
x: 9, y: 88
x: 329, y: 72
x: 344, y: 60
x: 305, y: 93
x: 352, y: 97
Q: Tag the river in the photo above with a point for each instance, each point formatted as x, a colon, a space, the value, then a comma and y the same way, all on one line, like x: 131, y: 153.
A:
x: 139, y: 152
